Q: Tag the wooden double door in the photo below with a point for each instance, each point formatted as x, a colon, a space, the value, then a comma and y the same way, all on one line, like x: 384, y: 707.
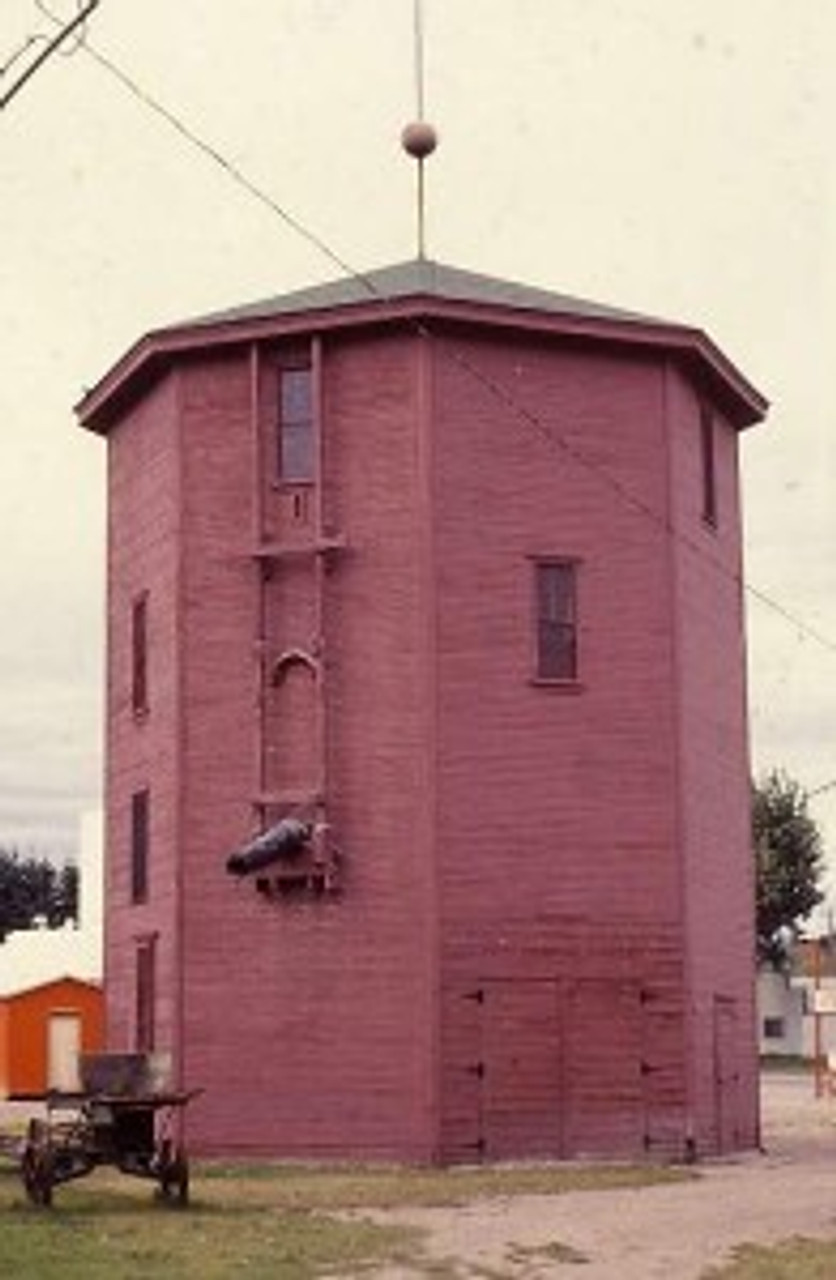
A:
x: 561, y: 1070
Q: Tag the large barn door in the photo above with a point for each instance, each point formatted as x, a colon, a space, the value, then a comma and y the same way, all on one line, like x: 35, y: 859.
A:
x: 605, y: 1108
x: 520, y: 1070
x: 726, y: 1080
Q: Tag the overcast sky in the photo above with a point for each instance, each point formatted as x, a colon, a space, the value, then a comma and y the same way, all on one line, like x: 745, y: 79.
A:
x: 668, y: 156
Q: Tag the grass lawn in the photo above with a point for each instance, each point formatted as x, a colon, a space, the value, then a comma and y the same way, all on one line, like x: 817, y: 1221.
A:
x: 786, y: 1062
x: 266, y: 1222
x: 796, y: 1259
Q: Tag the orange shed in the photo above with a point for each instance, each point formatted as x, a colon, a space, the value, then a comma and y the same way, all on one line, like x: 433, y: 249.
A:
x: 42, y: 1032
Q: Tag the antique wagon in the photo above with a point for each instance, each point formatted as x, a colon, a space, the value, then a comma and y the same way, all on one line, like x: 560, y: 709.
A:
x: 124, y: 1116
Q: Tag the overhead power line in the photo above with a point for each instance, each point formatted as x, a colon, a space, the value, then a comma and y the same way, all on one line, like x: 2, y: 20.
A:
x: 231, y: 169
x: 50, y: 48
x: 559, y: 441
x: 18, y: 53
x: 544, y: 430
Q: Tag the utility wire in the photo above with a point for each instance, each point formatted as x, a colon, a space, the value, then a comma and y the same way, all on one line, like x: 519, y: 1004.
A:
x: 81, y: 35
x: 18, y: 53
x: 556, y: 439
x: 229, y: 167
x: 789, y: 616
x: 51, y: 47
x: 548, y: 434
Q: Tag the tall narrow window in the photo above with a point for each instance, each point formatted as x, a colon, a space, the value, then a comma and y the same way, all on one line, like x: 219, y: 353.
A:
x: 556, y: 613
x: 709, y: 477
x: 140, y: 816
x: 139, y: 655
x: 146, y: 981
x: 296, y: 426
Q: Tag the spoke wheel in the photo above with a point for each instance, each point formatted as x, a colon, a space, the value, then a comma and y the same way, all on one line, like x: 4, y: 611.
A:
x: 38, y: 1165
x: 174, y: 1177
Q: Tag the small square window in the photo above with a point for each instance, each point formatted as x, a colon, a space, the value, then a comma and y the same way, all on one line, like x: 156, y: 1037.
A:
x: 773, y: 1029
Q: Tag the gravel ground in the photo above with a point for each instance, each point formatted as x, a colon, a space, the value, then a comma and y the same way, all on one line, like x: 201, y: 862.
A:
x: 673, y: 1232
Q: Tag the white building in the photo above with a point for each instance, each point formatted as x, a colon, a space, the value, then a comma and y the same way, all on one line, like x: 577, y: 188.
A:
x: 790, y: 1005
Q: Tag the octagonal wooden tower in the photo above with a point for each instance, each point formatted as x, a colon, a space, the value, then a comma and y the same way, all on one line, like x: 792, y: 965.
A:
x: 450, y: 569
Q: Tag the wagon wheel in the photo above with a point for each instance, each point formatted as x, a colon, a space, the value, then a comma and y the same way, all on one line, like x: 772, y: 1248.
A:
x: 38, y: 1164
x: 173, y: 1175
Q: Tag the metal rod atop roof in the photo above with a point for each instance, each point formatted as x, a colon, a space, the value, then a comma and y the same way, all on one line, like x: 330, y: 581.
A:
x: 419, y: 138
x: 418, y: 34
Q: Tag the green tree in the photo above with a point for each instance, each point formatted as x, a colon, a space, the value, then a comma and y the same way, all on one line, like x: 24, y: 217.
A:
x: 66, y: 893
x: 34, y: 888
x: 789, y: 863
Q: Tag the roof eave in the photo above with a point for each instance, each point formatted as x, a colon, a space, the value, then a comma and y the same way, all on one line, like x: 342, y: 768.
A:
x: 39, y: 984
x: 100, y: 406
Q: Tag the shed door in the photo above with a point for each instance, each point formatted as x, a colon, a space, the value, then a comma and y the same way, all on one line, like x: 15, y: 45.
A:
x: 63, y: 1049
x: 726, y: 1079
x: 520, y: 1069
x: 604, y: 1087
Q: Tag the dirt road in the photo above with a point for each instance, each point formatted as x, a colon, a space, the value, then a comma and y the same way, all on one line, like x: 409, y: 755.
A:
x: 671, y: 1232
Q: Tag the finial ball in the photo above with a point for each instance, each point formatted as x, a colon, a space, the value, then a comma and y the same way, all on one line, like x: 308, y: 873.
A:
x: 419, y: 139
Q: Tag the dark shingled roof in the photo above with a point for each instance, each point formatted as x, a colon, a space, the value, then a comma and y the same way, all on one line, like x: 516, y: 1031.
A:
x: 416, y: 279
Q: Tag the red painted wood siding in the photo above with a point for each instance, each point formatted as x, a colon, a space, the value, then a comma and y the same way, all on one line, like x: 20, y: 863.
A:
x: 308, y: 1022
x: 558, y: 805
x: 514, y: 854
x: 565, y: 794
x: 144, y: 526
x: 714, y: 777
